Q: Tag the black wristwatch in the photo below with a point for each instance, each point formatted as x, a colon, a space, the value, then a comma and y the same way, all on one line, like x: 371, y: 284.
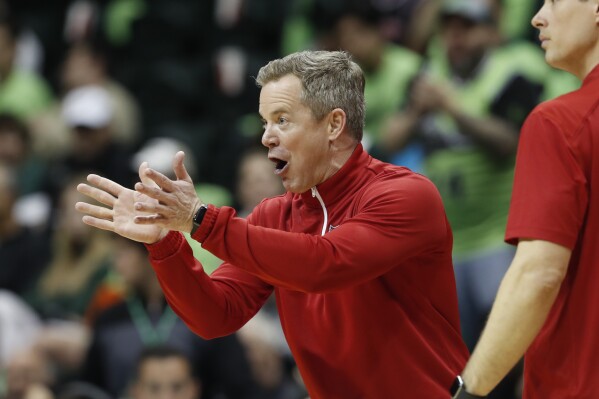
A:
x: 198, y: 217
x: 458, y: 390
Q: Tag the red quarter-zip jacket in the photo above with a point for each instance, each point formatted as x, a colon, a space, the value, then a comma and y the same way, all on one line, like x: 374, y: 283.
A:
x: 362, y: 272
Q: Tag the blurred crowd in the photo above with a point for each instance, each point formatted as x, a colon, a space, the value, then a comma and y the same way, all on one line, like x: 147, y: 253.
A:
x: 98, y: 86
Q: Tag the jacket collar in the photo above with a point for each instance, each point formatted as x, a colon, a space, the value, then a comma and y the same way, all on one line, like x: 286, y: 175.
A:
x: 592, y: 76
x: 343, y: 182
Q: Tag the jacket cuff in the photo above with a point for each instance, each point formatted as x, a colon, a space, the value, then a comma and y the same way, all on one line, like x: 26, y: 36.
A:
x: 207, y: 224
x: 166, y: 247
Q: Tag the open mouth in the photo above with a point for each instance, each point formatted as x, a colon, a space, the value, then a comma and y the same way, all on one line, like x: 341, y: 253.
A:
x: 280, y: 165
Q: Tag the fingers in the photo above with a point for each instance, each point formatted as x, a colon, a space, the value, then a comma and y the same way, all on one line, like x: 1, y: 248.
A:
x: 97, y: 194
x: 95, y: 211
x: 159, y: 179
x: 143, y: 177
x: 99, y: 223
x: 153, y: 208
x: 107, y: 185
x: 153, y: 192
x: 149, y: 219
x: 179, y: 167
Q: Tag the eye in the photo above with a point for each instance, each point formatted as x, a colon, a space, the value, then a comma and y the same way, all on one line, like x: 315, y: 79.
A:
x: 282, y: 120
x: 264, y: 124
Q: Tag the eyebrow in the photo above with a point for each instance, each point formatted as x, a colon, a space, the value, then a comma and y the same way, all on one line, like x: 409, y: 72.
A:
x: 275, y: 112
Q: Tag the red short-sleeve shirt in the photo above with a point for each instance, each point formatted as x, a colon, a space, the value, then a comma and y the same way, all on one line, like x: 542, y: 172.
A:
x: 556, y: 199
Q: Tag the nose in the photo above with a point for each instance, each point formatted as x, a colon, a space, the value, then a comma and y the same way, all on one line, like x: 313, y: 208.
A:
x: 539, y: 21
x: 269, y: 137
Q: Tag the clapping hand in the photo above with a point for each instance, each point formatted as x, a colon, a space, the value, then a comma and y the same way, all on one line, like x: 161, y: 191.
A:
x: 174, y: 202
x: 119, y: 215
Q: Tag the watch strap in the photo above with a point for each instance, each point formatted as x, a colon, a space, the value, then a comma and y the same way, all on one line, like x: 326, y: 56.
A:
x: 458, y: 390
x: 198, y: 217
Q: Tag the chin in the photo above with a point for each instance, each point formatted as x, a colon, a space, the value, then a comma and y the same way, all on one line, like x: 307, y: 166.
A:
x: 553, y: 60
x: 289, y: 188
x: 295, y: 189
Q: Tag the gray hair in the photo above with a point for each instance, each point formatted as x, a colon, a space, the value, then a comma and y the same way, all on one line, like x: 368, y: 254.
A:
x: 330, y: 79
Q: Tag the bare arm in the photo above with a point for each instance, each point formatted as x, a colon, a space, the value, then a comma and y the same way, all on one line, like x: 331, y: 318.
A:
x: 399, y: 129
x: 493, y: 133
x: 523, y: 301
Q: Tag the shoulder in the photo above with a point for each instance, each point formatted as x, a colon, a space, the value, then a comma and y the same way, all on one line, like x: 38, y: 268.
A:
x: 399, y: 183
x: 270, y: 207
x: 564, y: 114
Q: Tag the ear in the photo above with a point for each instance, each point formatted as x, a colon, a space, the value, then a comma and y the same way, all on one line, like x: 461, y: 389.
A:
x: 337, y: 121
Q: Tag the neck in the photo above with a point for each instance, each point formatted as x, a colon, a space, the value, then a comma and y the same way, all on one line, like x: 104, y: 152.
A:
x: 588, y: 66
x: 342, y: 152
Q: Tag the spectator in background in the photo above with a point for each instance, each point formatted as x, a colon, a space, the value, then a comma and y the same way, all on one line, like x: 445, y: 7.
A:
x: 79, y: 261
x: 409, y: 23
x: 88, y: 112
x: 22, y: 93
x: 19, y: 327
x: 465, y: 110
x: 85, y: 64
x: 16, y: 150
x: 270, y: 359
x: 255, y: 180
x: 23, y: 251
x: 33, y: 205
x: 143, y: 319
x: 29, y: 376
x: 165, y: 372
x: 388, y: 70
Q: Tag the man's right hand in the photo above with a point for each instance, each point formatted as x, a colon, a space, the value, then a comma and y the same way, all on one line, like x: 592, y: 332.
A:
x: 119, y: 214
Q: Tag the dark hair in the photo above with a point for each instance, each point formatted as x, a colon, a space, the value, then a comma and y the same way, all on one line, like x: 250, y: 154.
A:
x: 161, y: 352
x: 11, y: 124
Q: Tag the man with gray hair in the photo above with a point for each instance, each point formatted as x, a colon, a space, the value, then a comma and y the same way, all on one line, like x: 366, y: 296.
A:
x: 357, y: 252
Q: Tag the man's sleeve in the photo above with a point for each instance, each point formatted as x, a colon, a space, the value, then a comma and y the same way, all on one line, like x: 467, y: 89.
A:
x: 397, y: 218
x: 549, y: 197
x: 211, y: 306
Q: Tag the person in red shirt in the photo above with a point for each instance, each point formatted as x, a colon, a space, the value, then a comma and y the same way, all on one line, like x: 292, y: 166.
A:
x: 548, y: 302
x: 357, y: 252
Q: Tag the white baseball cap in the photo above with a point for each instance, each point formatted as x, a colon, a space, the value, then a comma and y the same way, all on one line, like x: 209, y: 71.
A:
x: 88, y: 106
